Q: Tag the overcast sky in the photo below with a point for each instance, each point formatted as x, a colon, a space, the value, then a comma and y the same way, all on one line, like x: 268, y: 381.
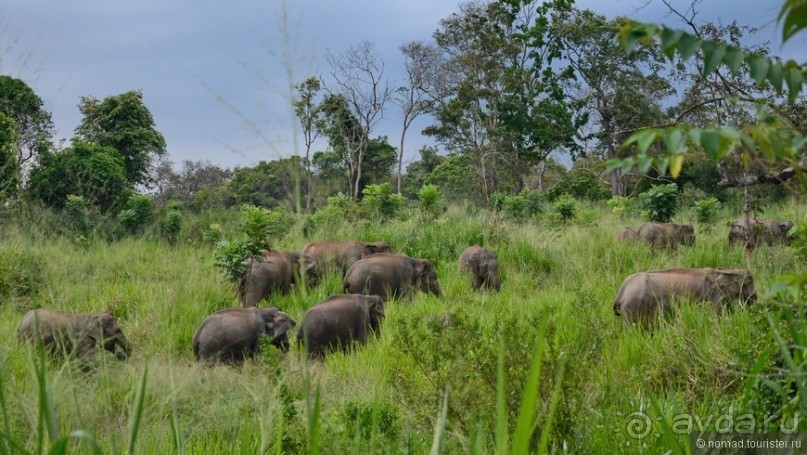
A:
x: 212, y: 72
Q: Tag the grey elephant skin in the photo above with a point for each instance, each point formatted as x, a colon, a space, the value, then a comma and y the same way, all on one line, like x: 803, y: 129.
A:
x: 75, y: 333
x: 765, y: 232
x: 276, y: 271
x: 627, y: 235
x: 666, y: 235
x: 232, y: 335
x: 337, y: 256
x: 643, y: 294
x: 391, y: 275
x: 340, y: 321
x: 483, y: 265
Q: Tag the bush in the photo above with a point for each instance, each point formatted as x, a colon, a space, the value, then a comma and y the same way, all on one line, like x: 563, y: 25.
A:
x: 564, y: 207
x: 659, y: 203
x: 621, y: 206
x: 78, y: 217
x: 431, y: 201
x: 137, y: 213
x: 20, y: 272
x: 706, y: 212
x: 690, y: 195
x: 525, y: 205
x: 259, y: 227
x: 170, y: 223
x: 380, y: 201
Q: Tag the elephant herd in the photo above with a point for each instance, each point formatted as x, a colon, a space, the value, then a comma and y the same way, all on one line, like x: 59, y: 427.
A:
x: 372, y: 275
x: 644, y: 295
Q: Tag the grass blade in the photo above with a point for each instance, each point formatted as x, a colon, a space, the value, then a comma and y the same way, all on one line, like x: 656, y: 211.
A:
x: 137, y: 411
x: 546, y: 432
x: 440, y: 426
x: 89, y: 439
x: 529, y: 400
x: 501, y: 409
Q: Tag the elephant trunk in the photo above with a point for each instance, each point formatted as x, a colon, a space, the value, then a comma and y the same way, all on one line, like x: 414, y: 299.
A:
x: 121, y: 341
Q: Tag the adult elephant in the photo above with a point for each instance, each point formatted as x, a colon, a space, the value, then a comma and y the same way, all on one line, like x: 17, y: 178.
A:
x: 643, y: 294
x: 233, y: 334
x: 337, y: 255
x: 756, y: 232
x: 483, y: 265
x: 666, y: 235
x: 391, y: 275
x: 75, y: 333
x: 275, y: 272
x: 339, y: 321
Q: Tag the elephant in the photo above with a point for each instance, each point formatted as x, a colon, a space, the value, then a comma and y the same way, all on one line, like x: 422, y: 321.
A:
x: 666, y: 235
x: 276, y: 272
x: 339, y: 321
x: 231, y: 335
x: 767, y: 232
x: 643, y: 294
x: 483, y: 265
x: 627, y: 235
x: 75, y: 333
x: 339, y: 255
x: 391, y: 275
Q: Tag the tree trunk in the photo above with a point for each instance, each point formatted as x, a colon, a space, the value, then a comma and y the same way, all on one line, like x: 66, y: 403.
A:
x: 400, y: 156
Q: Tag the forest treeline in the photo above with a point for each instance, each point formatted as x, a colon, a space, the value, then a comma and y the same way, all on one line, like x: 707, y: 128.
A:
x: 510, y: 90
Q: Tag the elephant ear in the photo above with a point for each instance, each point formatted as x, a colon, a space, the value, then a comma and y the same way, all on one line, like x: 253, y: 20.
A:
x: 278, y: 323
x: 376, y: 306
x: 419, y: 267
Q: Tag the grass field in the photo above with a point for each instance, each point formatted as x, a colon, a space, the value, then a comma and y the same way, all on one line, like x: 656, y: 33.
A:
x: 477, y: 349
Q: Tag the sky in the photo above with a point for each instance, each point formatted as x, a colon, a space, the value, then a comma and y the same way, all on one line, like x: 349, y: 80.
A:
x: 213, y: 73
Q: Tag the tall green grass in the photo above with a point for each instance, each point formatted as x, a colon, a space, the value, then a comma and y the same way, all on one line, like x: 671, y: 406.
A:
x: 542, y: 366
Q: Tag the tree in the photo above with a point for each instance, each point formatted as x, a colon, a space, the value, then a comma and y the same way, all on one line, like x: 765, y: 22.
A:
x: 335, y: 173
x: 498, y: 97
x: 194, y: 177
x: 94, y: 172
x: 623, y: 91
x: 308, y: 112
x: 268, y: 184
x: 421, y: 60
x: 33, y: 127
x: 124, y: 123
x: 417, y: 171
x: 9, y: 175
x: 358, y: 81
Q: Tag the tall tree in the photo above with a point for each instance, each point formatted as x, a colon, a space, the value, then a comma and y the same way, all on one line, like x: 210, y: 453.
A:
x: 357, y: 76
x: 33, y: 127
x: 308, y: 113
x: 420, y: 60
x: 9, y: 175
x: 623, y: 91
x: 499, y: 98
x: 124, y: 123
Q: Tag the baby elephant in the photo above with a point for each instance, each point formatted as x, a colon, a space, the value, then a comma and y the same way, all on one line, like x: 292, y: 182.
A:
x: 483, y: 265
x: 666, y: 235
x: 339, y: 321
x: 74, y: 333
x: 233, y: 334
x: 643, y: 294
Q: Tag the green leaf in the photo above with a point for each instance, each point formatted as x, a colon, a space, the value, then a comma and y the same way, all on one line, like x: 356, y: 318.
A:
x: 672, y: 139
x: 775, y: 76
x: 644, y: 163
x: 669, y: 40
x: 710, y: 141
x: 643, y: 139
x: 688, y: 45
x: 733, y: 59
x: 662, y: 164
x: 794, y: 79
x: 712, y: 56
x: 634, y: 34
x: 759, y: 65
x: 795, y: 18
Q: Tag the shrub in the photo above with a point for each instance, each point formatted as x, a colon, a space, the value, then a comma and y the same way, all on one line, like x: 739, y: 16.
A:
x: 137, y: 213
x: 564, y: 207
x: 380, y: 201
x: 170, y: 224
x: 431, y: 201
x: 706, y: 211
x: 621, y: 206
x: 690, y: 194
x: 20, y: 272
x: 659, y: 203
x: 587, y: 216
x: 259, y: 226
x: 515, y: 207
x: 78, y: 219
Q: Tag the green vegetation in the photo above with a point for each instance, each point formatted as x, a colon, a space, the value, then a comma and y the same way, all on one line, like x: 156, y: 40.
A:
x: 559, y: 283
